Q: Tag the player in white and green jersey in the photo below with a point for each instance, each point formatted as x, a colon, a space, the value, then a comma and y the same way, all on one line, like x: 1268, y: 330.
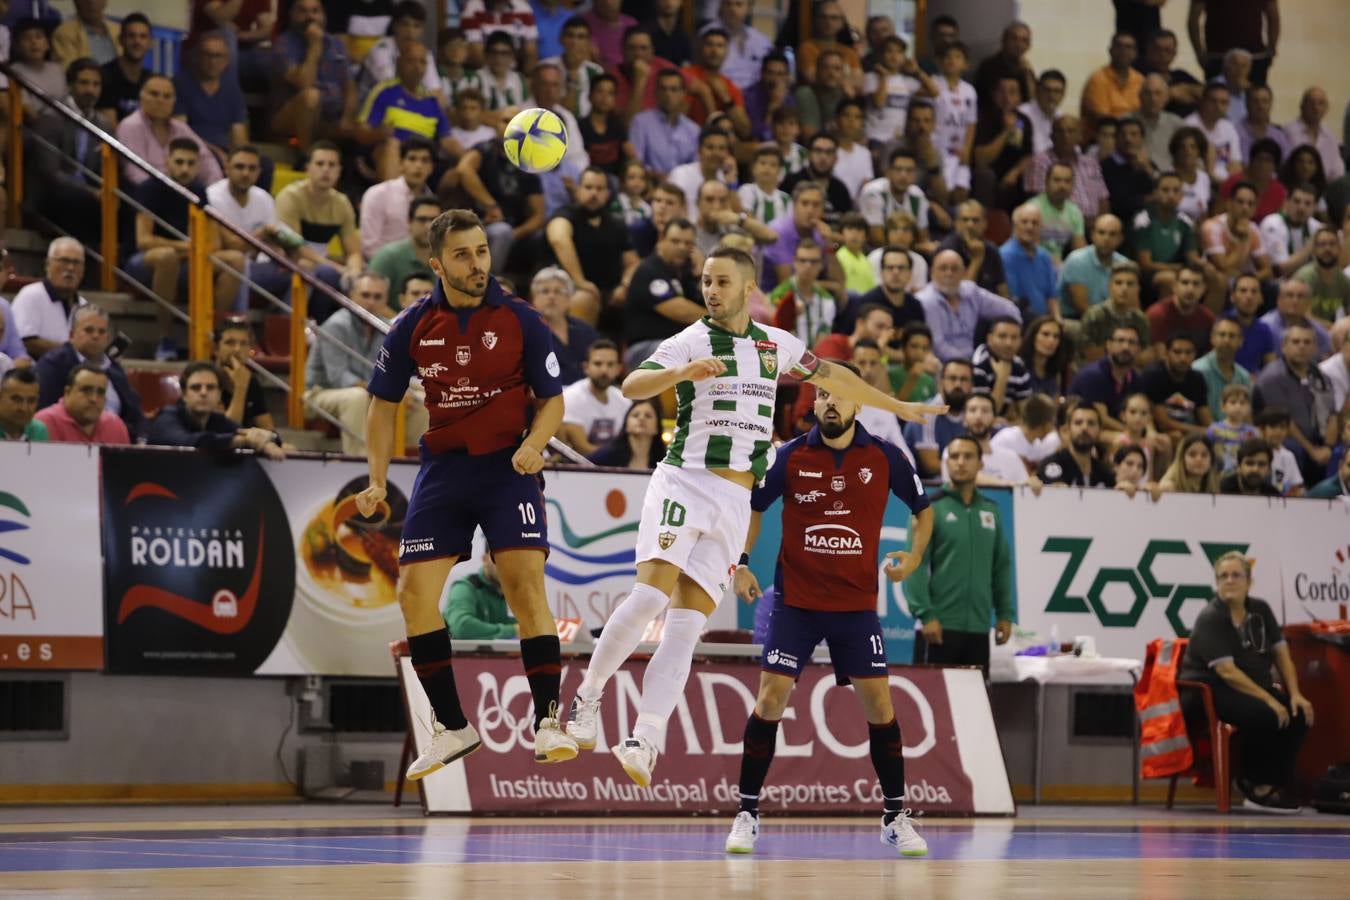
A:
x: 724, y: 369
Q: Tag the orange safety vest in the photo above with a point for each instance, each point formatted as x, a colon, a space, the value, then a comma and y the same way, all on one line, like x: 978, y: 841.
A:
x: 1164, y: 748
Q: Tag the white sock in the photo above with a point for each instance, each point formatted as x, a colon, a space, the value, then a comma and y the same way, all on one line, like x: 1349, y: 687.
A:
x: 663, y: 682
x: 620, y: 637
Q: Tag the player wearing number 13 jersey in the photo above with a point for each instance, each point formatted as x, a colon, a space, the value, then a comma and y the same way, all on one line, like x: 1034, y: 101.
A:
x: 725, y: 371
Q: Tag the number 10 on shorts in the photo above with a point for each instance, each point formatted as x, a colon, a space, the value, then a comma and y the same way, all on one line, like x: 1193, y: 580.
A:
x: 672, y: 513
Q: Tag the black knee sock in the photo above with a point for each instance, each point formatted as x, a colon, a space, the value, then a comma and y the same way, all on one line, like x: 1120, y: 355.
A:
x: 761, y: 739
x: 889, y: 761
x: 431, y: 660
x: 542, y: 658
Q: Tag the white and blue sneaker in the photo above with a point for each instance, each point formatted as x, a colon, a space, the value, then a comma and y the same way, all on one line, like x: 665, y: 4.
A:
x: 901, y: 835
x: 551, y: 743
x: 583, y: 722
x: 744, y: 833
x: 638, y: 758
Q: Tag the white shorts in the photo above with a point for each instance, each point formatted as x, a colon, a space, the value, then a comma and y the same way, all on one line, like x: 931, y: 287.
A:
x: 697, y: 521
x: 954, y: 173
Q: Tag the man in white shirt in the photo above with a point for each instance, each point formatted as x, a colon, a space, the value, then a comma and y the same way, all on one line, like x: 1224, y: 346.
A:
x: 714, y: 148
x: 892, y: 192
x: 384, y: 206
x: 1337, y: 370
x: 1035, y: 437
x: 1308, y: 129
x: 853, y: 163
x: 595, y: 406
x: 746, y: 45
x: 1211, y: 117
x: 999, y: 467
x: 42, y: 309
x: 1288, y: 234
x: 1044, y: 109
x: 239, y: 200
x: 409, y: 23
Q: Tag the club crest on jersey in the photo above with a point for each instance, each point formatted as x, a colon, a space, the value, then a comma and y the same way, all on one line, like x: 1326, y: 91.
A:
x: 665, y: 539
x: 462, y: 355
x: 865, y: 475
x: 837, y: 483
x: 768, y: 358
x: 489, y: 339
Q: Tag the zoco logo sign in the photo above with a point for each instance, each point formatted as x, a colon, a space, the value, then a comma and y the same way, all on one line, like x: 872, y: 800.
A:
x: 1141, y: 582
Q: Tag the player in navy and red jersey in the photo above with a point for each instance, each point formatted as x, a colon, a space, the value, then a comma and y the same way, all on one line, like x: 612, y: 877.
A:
x: 835, y: 481
x: 486, y: 360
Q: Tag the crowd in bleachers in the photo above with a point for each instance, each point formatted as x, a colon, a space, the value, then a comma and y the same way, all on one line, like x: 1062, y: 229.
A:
x: 1151, y: 289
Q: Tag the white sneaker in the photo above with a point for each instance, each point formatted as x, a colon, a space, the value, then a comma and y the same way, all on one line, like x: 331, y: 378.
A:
x: 744, y: 833
x: 446, y: 746
x: 901, y: 835
x: 584, y: 722
x: 638, y: 758
x: 551, y: 744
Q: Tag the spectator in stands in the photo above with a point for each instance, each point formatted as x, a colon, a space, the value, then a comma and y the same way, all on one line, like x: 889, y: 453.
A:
x: 892, y: 192
x: 1236, y: 76
x: 1193, y: 469
x: 954, y: 305
x: 335, y: 377
x: 823, y: 155
x: 772, y: 93
x: 551, y: 295
x: 33, y: 59
x: 922, y: 140
x: 467, y: 128
x: 906, y: 369
x: 1164, y: 239
x: 1234, y: 429
x: 314, y: 93
x: 1107, y: 382
x: 18, y: 405
x: 1219, y: 367
x: 710, y: 90
x: 637, y: 74
x: 1274, y: 424
x: 748, y: 54
x: 315, y: 210
x: 874, y: 322
x: 818, y: 97
x: 1258, y: 341
x: 983, y: 262
x: 592, y: 245
x: 943, y: 31
x: 595, y: 407
x: 1183, y: 313
x: 1257, y: 126
x: 480, y: 19
x: 407, y: 25
x: 452, y: 65
x: 400, y: 110
x: 1129, y: 173
x: 891, y: 292
x: 609, y: 32
x: 241, y: 396
x: 55, y: 184
x: 160, y: 257
x: 760, y: 197
x: 124, y: 76
x: 1028, y: 269
x: 1293, y: 306
x: 1189, y: 150
x: 1113, y: 90
x: 247, y: 28
x: 802, y: 305
x: 1296, y: 385
x: 475, y: 607
x: 802, y: 221
x: 1337, y: 370
x: 42, y: 310
x: 80, y: 417
x: 416, y: 285
x: 1136, y: 415
x: 1308, y: 129
x: 196, y: 421
x: 664, y: 295
x: 1035, y: 437
x: 999, y: 372
x: 401, y: 259
x: 90, y: 335
x: 828, y: 22
x: 665, y: 137
x: 241, y: 202
x: 151, y: 132
x: 713, y: 163
x: 1303, y: 165
x: 1003, y: 142
x: 717, y: 218
x: 901, y: 230
x: 640, y: 445
x: 1183, y: 88
x: 1328, y: 285
x: 1337, y: 485
x: 1211, y: 118
x: 1159, y: 123
x: 1130, y: 466
x: 1215, y: 29
x: 384, y: 206
x: 1043, y: 109
x: 89, y: 34
x: 1180, y: 396
x: 999, y: 467
x: 1262, y: 166
x: 1121, y: 309
x: 853, y: 165
x: 209, y: 97
x: 1009, y: 62
x: 1062, y: 223
x: 1085, y: 279
x: 1047, y: 352
x: 1077, y: 463
x: 930, y: 438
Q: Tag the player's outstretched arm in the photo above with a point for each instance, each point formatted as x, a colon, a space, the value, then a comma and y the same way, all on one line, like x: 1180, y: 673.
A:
x: 380, y: 418
x: 642, y: 384
x: 842, y: 381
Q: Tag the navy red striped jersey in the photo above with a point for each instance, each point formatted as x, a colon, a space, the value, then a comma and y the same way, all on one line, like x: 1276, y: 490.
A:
x: 834, y: 502
x: 483, y: 367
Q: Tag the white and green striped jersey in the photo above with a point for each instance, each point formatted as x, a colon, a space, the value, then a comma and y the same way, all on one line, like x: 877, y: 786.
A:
x: 876, y: 201
x: 760, y: 205
x: 727, y: 422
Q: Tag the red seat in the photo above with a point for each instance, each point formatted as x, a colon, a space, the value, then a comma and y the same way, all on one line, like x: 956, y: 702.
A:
x: 998, y: 228
x: 1220, y: 736
x: 156, y: 387
x: 276, y: 343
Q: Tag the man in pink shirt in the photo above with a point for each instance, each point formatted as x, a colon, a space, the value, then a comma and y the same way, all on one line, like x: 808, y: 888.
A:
x: 79, y: 416
x: 384, y: 206
x: 607, y: 28
x: 1232, y: 245
x: 148, y: 131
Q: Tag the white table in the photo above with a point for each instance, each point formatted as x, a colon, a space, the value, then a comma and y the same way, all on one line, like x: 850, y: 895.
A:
x: 1066, y: 669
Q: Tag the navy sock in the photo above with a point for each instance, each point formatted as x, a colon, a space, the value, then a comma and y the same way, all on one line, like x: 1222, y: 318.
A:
x: 761, y: 739
x: 431, y: 660
x: 542, y: 658
x: 889, y: 761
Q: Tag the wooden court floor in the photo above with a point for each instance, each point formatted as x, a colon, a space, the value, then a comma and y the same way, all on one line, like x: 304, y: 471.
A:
x: 332, y: 851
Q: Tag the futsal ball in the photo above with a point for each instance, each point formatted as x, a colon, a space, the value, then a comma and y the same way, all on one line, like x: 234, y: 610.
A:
x: 535, y: 140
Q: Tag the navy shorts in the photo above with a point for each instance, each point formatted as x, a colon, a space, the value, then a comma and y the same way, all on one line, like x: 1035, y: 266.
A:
x: 857, y: 648
x: 455, y: 493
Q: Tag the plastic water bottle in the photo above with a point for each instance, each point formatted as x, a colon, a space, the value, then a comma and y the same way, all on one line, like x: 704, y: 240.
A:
x: 1054, y: 641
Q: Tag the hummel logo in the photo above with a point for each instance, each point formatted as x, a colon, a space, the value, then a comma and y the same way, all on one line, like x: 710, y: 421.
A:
x: 431, y: 342
x: 805, y: 474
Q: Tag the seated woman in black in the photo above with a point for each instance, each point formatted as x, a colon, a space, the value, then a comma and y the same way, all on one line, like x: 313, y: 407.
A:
x: 639, y: 445
x: 1235, y: 642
